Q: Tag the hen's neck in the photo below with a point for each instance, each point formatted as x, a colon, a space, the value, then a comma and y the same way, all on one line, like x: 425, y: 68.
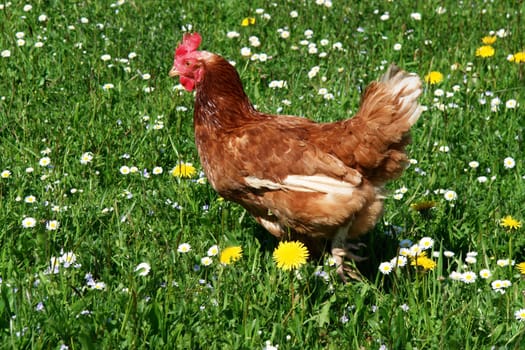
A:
x: 220, y: 99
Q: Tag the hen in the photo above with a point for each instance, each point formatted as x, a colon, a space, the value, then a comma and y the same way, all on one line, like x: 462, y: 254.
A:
x: 319, y: 183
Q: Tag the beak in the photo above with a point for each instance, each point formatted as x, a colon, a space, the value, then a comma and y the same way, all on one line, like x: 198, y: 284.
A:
x: 173, y: 72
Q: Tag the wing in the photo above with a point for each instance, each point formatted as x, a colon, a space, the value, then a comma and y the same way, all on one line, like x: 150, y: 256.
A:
x: 288, y: 182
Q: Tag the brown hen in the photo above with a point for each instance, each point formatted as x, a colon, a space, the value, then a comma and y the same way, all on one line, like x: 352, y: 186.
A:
x: 317, y: 183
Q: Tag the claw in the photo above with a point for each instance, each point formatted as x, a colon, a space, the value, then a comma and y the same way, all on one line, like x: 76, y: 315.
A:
x: 344, y: 270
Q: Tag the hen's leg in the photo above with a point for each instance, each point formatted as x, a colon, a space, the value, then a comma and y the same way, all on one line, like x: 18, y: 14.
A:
x: 341, y: 251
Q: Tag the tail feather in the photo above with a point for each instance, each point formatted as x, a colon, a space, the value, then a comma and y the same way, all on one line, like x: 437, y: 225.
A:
x: 389, y: 107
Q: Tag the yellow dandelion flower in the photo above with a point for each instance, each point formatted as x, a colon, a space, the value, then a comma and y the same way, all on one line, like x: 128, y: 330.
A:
x: 521, y: 267
x: 184, y: 170
x: 489, y: 39
x: 290, y: 255
x: 230, y: 255
x: 485, y: 51
x: 424, y: 262
x: 434, y: 77
x: 510, y: 223
x: 518, y: 57
x: 248, y: 21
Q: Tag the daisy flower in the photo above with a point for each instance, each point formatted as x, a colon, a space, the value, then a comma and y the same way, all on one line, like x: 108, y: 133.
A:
x: 184, y: 170
x: 434, y: 77
x: 290, y: 255
x: 28, y: 222
x: 230, y: 255
x: 30, y: 199
x: 450, y: 195
x: 52, y: 225
x: 398, y: 261
x: 184, y: 248
x: 143, y: 269
x: 206, y: 261
x: 385, y: 268
x: 504, y: 262
x: 485, y: 273
x: 426, y: 243
x: 107, y: 86
x: 86, y: 157
x: 455, y: 276
x: 5, y: 174
x: 520, y: 315
x: 45, y: 161
x: 124, y: 170
x: 509, y: 163
x: 510, y: 223
x: 511, y: 104
x: 468, y: 277
x: 67, y: 259
x: 157, y: 170
x: 214, y: 250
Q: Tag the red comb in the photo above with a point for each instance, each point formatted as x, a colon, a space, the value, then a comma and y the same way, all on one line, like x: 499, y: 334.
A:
x: 190, y: 43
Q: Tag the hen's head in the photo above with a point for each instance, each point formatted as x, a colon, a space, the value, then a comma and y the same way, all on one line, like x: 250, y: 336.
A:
x: 188, y: 62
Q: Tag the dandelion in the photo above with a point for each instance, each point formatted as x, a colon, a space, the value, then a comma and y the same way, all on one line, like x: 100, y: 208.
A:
x: 248, y: 21
x: 214, y: 250
x: 230, y: 255
x: 518, y: 57
x: 485, y: 51
x: 485, y: 273
x: 424, y: 262
x: 450, y: 195
x: 520, y: 315
x: 45, y: 161
x: 510, y: 223
x: 5, y: 174
x: 184, y: 170
x: 468, y: 277
x: 385, y: 268
x: 52, y: 225
x: 434, y: 77
x: 290, y: 255
x: 143, y: 269
x: 521, y: 267
x: 206, y: 261
x: 28, y: 222
x: 489, y: 40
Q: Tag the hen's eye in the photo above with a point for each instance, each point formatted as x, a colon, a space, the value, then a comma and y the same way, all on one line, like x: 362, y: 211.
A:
x: 188, y: 63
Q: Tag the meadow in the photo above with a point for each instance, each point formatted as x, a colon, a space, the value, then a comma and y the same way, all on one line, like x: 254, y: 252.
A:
x: 111, y: 237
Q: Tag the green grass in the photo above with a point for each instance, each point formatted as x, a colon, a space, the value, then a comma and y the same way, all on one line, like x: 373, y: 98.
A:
x: 53, y: 104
